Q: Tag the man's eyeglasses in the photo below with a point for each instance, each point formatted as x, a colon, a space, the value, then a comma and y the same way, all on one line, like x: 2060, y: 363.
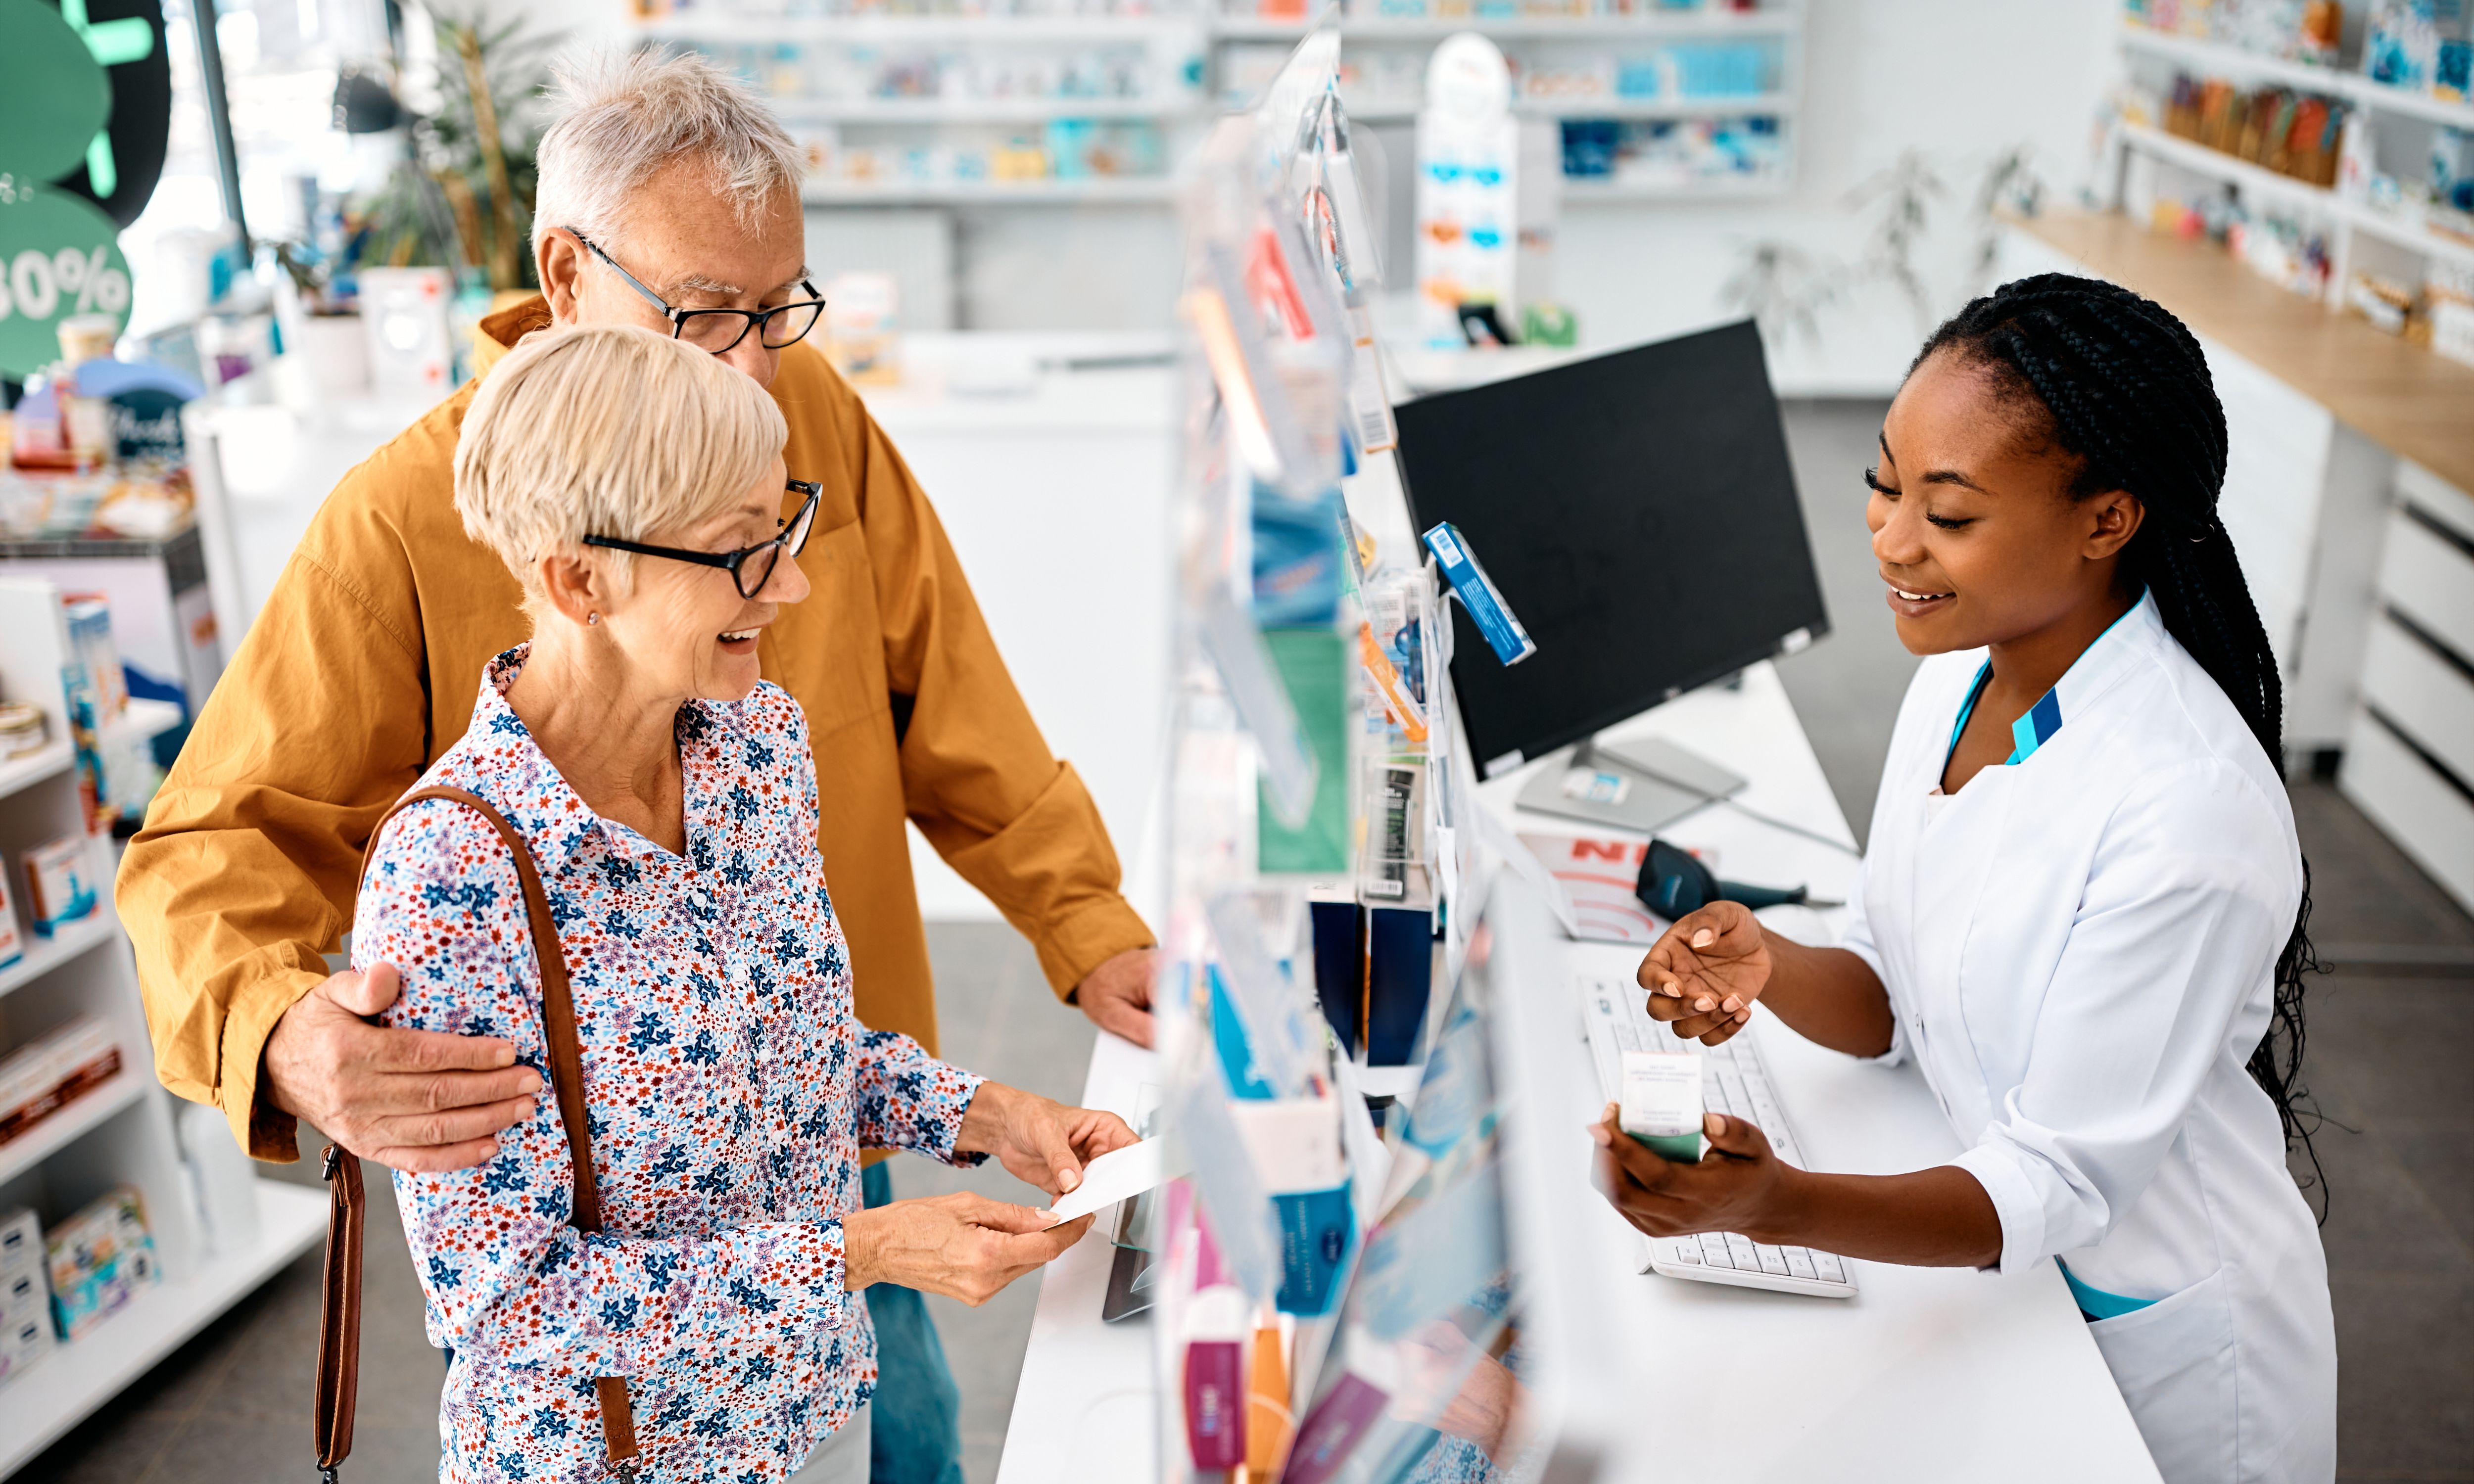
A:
x: 717, y: 330
x: 749, y: 567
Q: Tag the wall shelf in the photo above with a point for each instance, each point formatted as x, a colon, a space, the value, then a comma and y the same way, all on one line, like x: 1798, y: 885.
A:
x: 978, y: 110
x: 2223, y: 59
x: 42, y: 955
x: 1052, y: 191
x: 2191, y: 155
x: 34, y: 767
x: 78, y: 1376
x: 75, y: 1119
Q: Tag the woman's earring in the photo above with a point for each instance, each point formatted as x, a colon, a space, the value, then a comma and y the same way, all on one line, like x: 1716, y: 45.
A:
x: 592, y: 618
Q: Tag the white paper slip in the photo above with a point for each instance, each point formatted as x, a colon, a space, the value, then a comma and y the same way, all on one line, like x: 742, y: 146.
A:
x: 1119, y: 1175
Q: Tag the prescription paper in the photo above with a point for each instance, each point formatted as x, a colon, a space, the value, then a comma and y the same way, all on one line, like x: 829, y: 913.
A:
x: 1121, y: 1175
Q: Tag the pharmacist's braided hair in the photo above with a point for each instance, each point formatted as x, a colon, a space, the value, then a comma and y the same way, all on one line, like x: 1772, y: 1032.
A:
x: 2123, y: 387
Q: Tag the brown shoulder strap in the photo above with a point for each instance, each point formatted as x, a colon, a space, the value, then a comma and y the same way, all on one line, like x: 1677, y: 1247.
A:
x: 339, y: 1320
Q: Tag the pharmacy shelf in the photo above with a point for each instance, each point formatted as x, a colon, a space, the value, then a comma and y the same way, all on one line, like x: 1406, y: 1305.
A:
x: 18, y: 772
x: 73, y: 1119
x: 2226, y: 60
x: 872, y: 30
x: 1097, y: 190
x: 1587, y: 190
x: 1703, y: 24
x: 2404, y: 231
x: 978, y: 110
x: 42, y: 955
x: 1741, y: 106
x: 70, y: 1383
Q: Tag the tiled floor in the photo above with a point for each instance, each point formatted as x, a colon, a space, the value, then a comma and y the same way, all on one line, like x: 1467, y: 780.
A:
x: 2392, y: 1060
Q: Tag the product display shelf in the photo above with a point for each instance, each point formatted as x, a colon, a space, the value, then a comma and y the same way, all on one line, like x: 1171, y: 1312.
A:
x: 1700, y: 25
x: 72, y: 1121
x: 978, y: 110
x: 1096, y: 190
x: 860, y: 29
x: 1774, y: 105
x: 42, y: 955
x: 34, y: 767
x: 2400, y: 230
x: 2223, y: 59
x: 75, y: 1378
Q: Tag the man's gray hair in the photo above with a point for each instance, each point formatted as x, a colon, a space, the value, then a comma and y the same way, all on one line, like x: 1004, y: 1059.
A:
x: 623, y: 115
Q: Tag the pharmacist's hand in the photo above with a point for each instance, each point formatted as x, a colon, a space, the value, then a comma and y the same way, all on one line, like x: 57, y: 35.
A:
x: 1737, y: 1187
x: 421, y: 1101
x: 1040, y: 1141
x: 1704, y: 972
x: 1117, y: 995
x: 963, y: 1245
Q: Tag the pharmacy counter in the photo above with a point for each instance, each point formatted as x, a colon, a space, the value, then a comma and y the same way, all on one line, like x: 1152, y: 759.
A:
x: 1927, y: 1375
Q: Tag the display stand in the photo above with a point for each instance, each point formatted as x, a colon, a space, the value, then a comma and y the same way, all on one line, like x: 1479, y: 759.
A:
x: 121, y: 1130
x: 1349, y: 1285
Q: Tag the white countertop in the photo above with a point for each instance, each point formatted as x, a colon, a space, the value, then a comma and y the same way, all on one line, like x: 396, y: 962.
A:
x: 1925, y: 1375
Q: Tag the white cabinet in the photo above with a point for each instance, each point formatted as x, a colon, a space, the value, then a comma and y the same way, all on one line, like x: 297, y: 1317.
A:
x: 2409, y: 753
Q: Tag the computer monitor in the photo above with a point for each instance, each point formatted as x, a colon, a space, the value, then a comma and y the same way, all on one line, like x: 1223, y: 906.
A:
x: 1638, y: 512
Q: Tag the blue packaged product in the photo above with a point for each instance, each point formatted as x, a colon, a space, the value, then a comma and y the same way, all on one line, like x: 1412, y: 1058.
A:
x: 1503, y: 634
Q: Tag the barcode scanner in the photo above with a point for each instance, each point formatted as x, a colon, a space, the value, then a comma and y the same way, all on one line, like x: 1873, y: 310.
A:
x: 1673, y: 882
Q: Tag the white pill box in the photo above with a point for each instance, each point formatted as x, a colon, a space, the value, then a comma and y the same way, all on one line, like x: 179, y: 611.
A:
x: 59, y: 885
x: 1661, y: 1103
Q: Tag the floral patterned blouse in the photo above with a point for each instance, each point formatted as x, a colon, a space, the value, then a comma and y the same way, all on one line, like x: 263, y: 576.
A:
x: 730, y: 1089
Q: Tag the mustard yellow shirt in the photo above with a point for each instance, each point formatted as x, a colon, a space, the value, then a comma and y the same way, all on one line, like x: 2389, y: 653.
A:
x: 363, y: 669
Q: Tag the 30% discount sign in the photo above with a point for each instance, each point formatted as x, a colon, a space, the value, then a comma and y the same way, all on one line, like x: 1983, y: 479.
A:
x: 57, y: 259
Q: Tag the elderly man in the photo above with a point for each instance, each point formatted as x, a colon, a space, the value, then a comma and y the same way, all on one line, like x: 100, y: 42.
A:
x: 667, y: 198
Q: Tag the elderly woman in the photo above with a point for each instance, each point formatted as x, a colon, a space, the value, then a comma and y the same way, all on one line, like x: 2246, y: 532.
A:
x: 667, y: 798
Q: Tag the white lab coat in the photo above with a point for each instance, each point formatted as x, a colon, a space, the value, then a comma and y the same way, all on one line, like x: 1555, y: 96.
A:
x: 2080, y: 952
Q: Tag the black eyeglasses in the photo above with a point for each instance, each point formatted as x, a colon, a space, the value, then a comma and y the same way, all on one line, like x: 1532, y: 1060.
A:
x: 749, y: 567
x: 717, y: 330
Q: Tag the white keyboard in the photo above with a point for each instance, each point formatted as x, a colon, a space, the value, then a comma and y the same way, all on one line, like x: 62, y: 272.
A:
x: 1735, y: 1082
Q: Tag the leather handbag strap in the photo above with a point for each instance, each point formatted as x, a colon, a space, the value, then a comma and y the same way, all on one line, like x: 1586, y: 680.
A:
x: 339, y: 1319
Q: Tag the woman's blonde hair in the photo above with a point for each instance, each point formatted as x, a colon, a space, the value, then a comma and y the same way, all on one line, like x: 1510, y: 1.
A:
x: 606, y: 430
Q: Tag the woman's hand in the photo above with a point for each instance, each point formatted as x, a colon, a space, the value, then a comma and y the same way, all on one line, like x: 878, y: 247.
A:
x: 1740, y: 1186
x: 1704, y: 972
x: 963, y: 1245
x: 1039, y: 1140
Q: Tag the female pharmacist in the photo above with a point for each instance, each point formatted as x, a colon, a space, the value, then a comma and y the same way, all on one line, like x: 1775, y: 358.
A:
x: 2083, y: 903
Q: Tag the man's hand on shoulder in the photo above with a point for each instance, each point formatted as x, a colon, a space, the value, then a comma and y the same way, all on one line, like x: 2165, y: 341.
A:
x: 1117, y: 995
x: 419, y: 1101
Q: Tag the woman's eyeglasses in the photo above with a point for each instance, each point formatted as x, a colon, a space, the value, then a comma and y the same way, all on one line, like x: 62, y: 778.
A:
x: 717, y: 330
x: 750, y: 567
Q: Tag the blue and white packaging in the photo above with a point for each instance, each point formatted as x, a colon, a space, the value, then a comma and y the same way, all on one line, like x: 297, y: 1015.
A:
x: 1477, y: 593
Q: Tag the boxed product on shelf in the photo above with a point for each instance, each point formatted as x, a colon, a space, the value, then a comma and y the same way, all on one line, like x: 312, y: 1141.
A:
x: 40, y: 1078
x: 25, y: 1295
x: 59, y: 884
x: 12, y: 947
x: 99, y: 1259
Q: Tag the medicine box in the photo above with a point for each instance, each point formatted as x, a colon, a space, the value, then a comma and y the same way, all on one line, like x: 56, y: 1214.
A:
x: 40, y: 1076
x: 25, y: 1295
x: 59, y: 885
x: 98, y: 1260
x: 12, y: 944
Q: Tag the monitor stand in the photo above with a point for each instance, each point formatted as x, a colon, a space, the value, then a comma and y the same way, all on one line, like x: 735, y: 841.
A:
x: 1640, y: 784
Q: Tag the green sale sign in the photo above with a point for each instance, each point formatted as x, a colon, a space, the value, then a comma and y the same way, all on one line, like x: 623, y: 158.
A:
x: 60, y: 254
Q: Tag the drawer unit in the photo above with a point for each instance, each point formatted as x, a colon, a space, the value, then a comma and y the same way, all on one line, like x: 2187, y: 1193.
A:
x: 2423, y: 693
x: 2428, y: 575
x: 2428, y: 815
